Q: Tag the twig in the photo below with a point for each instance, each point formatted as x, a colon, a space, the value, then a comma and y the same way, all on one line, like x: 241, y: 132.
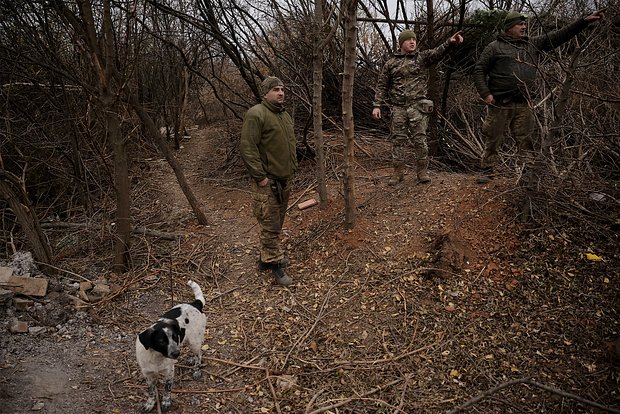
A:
x: 572, y: 396
x: 313, y: 399
x: 64, y: 271
x: 486, y: 394
x: 533, y: 383
x: 134, y: 230
x: 273, y: 391
x: 348, y: 400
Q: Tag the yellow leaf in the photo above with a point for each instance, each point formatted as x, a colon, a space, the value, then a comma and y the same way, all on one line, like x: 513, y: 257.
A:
x: 454, y: 373
x: 592, y: 257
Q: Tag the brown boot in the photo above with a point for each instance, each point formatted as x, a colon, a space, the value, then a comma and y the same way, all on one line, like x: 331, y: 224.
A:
x: 421, y: 171
x: 397, y: 175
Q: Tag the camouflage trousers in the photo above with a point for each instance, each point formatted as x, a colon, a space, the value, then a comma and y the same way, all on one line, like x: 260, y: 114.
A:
x: 409, y: 124
x: 515, y: 116
x: 270, y: 213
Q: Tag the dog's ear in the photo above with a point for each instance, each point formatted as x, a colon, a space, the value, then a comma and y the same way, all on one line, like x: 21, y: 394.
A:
x: 145, y: 338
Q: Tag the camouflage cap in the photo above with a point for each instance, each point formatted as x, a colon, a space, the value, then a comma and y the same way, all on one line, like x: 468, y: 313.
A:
x: 405, y: 35
x: 513, y: 18
x: 269, y: 83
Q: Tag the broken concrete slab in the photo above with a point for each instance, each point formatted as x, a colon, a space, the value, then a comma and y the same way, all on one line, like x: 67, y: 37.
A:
x: 16, y: 326
x: 30, y: 286
x: 5, y: 274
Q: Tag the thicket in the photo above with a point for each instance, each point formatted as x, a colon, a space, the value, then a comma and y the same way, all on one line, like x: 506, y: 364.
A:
x: 89, y: 91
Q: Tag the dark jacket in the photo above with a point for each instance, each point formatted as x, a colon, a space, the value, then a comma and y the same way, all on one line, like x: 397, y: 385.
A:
x: 404, y: 78
x: 507, y: 67
x: 268, y: 145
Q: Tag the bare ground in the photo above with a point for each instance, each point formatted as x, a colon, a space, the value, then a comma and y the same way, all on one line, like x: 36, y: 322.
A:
x: 437, y: 295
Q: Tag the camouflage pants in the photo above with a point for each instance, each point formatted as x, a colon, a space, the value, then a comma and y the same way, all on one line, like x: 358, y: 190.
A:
x: 408, y: 125
x: 518, y: 118
x: 270, y: 213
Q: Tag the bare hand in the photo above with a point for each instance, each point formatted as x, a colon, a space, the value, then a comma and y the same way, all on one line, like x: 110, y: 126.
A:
x: 597, y: 15
x: 376, y: 113
x: 456, y: 38
x: 263, y: 182
x: 489, y: 100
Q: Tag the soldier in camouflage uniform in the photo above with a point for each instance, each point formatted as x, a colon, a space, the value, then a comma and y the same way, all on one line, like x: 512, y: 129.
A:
x: 268, y: 148
x: 505, y: 76
x: 402, y: 85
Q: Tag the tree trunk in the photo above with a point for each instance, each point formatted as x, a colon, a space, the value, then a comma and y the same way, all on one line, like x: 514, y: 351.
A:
x: 350, y: 42
x: 12, y: 190
x: 433, y: 81
x: 317, y: 102
x: 178, y: 171
x: 123, y: 188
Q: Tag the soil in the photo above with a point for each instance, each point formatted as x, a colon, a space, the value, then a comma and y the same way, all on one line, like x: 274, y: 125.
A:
x: 437, y: 294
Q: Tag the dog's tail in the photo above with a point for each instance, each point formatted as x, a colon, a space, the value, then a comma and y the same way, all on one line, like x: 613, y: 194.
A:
x: 200, y: 299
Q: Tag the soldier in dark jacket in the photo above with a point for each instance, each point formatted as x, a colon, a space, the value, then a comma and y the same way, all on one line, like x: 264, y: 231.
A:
x: 268, y: 148
x: 505, y: 76
x: 403, y: 85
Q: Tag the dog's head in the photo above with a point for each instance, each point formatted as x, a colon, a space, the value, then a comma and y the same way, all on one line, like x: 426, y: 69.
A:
x: 164, y: 337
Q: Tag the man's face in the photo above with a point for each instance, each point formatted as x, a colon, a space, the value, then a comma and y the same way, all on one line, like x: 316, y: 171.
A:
x: 409, y: 45
x: 518, y: 30
x: 275, y: 95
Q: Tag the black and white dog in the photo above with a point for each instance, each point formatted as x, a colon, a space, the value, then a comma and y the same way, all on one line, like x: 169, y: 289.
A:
x: 158, y: 347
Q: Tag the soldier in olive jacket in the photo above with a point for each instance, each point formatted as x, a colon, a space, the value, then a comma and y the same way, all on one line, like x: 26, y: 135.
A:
x: 268, y: 148
x: 505, y: 76
x: 402, y: 85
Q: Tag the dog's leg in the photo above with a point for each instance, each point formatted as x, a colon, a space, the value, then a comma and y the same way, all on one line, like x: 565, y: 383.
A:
x: 195, y: 360
x: 152, y: 395
x: 166, y: 398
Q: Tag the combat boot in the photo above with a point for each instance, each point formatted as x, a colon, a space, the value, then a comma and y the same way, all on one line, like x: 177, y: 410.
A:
x: 397, y: 174
x: 262, y: 266
x: 281, y: 277
x: 422, y: 171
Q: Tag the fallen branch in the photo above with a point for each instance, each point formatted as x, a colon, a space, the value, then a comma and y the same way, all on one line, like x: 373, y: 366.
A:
x: 357, y: 397
x: 529, y: 381
x: 135, y: 230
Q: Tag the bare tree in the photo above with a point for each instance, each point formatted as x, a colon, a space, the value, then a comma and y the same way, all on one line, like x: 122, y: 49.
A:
x: 320, y: 42
x: 350, y: 28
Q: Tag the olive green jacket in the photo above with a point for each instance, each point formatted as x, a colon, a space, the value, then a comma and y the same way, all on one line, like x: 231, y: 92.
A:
x: 268, y: 145
x: 507, y: 67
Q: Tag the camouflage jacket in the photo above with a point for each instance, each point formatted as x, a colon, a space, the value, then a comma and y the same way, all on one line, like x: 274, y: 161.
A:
x: 404, y: 77
x: 268, y: 145
x: 507, y: 67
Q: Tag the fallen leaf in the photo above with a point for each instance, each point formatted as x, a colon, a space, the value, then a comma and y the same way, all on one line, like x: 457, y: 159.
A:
x: 593, y: 258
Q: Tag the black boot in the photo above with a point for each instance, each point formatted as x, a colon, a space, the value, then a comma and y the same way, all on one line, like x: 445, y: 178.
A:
x: 281, y: 277
x: 262, y: 266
